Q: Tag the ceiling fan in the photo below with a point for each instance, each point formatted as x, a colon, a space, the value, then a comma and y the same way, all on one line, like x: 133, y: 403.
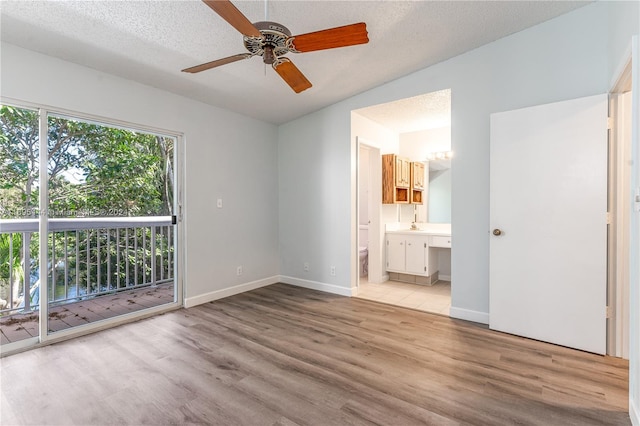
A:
x: 272, y: 41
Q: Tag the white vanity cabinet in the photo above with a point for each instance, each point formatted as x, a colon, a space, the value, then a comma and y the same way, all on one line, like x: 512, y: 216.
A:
x: 408, y: 254
x: 396, y: 252
x: 443, y: 241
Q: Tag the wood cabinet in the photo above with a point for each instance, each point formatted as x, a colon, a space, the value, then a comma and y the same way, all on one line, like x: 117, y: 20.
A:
x: 417, y: 175
x: 403, y: 181
x: 396, y: 179
x: 417, y: 183
x: 403, y: 172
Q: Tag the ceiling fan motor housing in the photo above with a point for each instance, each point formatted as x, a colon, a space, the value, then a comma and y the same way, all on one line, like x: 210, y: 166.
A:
x: 273, y: 42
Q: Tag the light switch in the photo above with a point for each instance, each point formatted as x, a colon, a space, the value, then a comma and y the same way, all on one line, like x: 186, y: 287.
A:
x: 219, y: 203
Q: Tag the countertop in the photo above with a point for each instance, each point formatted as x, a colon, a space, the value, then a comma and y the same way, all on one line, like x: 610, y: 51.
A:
x: 443, y: 229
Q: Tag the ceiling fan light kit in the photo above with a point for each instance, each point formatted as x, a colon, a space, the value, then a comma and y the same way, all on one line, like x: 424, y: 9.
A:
x: 272, y: 41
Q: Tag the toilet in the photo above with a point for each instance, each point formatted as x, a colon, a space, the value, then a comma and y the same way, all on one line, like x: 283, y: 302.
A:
x: 363, y: 242
x: 364, y: 261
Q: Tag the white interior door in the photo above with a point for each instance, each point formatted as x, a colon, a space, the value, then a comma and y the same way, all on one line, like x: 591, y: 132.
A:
x: 548, y: 205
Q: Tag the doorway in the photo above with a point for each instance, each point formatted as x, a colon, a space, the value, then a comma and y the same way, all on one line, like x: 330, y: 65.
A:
x: 419, y: 129
x: 619, y: 202
x: 522, y: 306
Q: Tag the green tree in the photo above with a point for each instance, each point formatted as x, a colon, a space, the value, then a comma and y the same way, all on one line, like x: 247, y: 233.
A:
x: 10, y: 264
x: 93, y: 170
x: 19, y: 160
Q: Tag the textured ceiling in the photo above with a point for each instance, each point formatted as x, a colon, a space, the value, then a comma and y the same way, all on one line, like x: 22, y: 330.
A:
x: 428, y: 111
x: 151, y: 41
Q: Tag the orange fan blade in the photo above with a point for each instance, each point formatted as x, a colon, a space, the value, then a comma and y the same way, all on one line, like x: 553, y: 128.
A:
x: 348, y: 35
x: 233, y: 16
x: 217, y: 63
x: 291, y: 75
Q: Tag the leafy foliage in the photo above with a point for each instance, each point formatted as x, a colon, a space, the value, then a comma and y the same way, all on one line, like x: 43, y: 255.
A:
x: 93, y: 171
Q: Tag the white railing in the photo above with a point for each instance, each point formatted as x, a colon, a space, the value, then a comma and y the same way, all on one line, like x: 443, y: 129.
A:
x: 87, y: 257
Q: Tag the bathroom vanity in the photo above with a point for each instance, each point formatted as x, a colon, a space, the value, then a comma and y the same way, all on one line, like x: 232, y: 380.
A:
x: 412, y: 254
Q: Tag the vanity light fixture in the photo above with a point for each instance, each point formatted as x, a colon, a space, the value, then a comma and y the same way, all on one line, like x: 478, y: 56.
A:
x: 442, y: 155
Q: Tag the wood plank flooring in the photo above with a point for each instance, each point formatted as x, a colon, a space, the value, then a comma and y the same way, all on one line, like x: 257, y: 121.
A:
x: 20, y: 326
x: 283, y: 355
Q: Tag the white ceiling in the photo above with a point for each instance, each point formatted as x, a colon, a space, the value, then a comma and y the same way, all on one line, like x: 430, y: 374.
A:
x: 428, y: 111
x: 151, y: 41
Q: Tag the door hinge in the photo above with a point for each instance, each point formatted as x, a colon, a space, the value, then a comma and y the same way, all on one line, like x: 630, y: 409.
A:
x: 609, y: 311
x: 609, y: 123
x: 608, y: 218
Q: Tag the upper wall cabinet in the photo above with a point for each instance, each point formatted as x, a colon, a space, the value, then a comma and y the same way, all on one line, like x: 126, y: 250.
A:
x: 396, y: 179
x: 417, y: 182
x: 417, y: 176
x: 403, y: 172
x: 402, y: 180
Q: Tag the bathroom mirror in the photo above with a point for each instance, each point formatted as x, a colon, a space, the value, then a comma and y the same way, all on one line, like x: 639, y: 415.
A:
x: 439, y: 202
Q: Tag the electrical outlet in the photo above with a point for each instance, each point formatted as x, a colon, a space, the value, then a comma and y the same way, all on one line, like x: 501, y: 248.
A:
x: 333, y: 271
x: 239, y: 271
x: 306, y: 266
x: 219, y: 203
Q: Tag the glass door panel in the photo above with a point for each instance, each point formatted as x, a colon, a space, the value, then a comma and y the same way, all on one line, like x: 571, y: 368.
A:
x: 19, y: 239
x: 111, y: 234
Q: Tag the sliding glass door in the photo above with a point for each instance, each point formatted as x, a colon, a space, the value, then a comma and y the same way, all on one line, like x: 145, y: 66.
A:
x: 108, y: 205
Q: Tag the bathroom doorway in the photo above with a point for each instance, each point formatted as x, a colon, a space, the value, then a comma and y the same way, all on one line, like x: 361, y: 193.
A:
x: 419, y: 129
x: 369, y: 236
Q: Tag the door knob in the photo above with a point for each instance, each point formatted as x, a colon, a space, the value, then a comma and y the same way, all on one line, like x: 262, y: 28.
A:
x: 497, y: 232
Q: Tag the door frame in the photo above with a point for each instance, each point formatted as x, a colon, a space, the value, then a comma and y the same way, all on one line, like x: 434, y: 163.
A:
x: 619, y: 211
x: 375, y: 201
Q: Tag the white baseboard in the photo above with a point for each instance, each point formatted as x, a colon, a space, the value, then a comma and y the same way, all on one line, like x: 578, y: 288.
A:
x: 315, y: 285
x: 468, y: 315
x: 226, y: 292
x: 634, y: 413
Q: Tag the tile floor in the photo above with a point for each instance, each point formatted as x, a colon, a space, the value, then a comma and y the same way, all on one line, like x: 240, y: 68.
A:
x: 435, y: 299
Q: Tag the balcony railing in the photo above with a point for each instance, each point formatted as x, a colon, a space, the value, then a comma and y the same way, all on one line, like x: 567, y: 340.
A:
x: 87, y: 257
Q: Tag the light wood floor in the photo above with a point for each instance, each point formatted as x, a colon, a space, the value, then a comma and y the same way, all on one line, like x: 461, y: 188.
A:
x: 283, y: 355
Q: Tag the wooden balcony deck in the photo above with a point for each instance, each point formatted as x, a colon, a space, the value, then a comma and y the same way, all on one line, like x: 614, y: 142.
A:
x: 25, y: 325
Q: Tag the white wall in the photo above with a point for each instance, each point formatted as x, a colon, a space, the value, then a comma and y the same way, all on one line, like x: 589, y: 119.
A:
x: 387, y: 141
x: 560, y: 59
x: 227, y: 155
x: 417, y: 145
x: 375, y: 134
